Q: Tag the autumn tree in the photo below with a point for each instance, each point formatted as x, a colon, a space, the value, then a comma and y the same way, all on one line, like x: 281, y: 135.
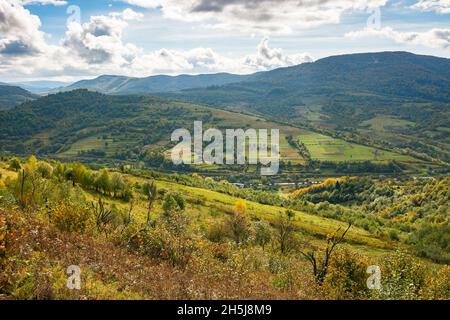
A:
x: 285, y: 231
x: 263, y: 233
x: 237, y: 222
x: 118, y: 184
x: 320, y: 265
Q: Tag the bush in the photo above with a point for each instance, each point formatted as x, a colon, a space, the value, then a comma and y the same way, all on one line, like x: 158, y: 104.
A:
x: 402, y: 277
x: 432, y: 241
x: 217, y: 233
x: 347, y: 277
x: 70, y: 217
x: 438, y: 285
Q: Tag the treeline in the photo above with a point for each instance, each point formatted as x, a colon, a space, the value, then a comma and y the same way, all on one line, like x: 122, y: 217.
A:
x: 354, y: 167
x: 419, y: 209
x: 33, y: 171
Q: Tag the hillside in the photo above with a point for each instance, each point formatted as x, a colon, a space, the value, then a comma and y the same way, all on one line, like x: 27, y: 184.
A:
x: 91, y: 126
x: 194, y: 232
x: 126, y: 85
x: 391, y: 98
x: 11, y: 96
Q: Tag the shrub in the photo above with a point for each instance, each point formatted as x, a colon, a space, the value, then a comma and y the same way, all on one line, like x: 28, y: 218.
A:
x: 70, y: 217
x: 438, y: 285
x: 217, y: 233
x: 402, y: 277
x: 346, y: 277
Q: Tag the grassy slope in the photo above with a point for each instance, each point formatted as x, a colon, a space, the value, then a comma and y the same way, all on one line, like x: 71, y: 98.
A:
x: 326, y: 148
x: 214, y: 205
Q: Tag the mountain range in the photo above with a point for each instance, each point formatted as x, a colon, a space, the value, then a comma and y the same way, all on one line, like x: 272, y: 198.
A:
x: 394, y: 100
x: 110, y: 84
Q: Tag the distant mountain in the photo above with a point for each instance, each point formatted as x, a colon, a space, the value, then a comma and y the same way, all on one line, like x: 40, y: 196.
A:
x: 395, y: 98
x: 398, y: 74
x: 125, y: 85
x: 40, y: 87
x: 11, y: 96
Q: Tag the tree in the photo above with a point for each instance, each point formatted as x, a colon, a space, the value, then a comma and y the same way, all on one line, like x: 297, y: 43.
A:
x: 285, y: 231
x: 45, y: 170
x: 117, y: 184
x: 15, y: 165
x: 69, y: 176
x: 320, y: 268
x: 263, y: 233
x: 103, y: 182
x: 237, y: 222
x: 80, y: 172
x: 151, y: 191
x: 173, y: 202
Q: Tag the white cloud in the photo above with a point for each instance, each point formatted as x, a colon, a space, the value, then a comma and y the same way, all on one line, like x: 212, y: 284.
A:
x: 439, y: 6
x: 434, y: 38
x: 128, y: 15
x: 205, y: 60
x: 267, y: 58
x: 260, y: 16
x: 99, y: 41
x: 20, y: 30
x: 97, y: 47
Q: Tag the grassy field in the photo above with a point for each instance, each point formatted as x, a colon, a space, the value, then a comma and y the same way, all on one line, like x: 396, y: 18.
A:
x: 385, y: 123
x: 207, y: 205
x: 326, y: 148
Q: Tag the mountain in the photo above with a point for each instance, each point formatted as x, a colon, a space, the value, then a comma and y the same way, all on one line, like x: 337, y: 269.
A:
x: 393, y: 98
x: 125, y: 85
x: 391, y: 102
x: 40, y: 87
x: 395, y: 74
x: 11, y: 96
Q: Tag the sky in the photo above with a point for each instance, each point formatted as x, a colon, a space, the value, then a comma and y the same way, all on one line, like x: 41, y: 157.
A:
x: 61, y: 40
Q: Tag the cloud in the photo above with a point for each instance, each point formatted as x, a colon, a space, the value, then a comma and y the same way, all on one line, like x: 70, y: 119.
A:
x: 97, y: 47
x: 205, y: 60
x: 267, y: 58
x: 434, y: 38
x: 19, y: 30
x: 148, y: 4
x: 99, y: 41
x: 439, y: 6
x: 261, y: 16
x: 127, y: 15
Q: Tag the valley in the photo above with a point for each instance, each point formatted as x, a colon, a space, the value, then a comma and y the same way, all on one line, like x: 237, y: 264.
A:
x: 86, y: 174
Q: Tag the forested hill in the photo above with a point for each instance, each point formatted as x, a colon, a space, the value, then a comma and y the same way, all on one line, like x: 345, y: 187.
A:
x: 399, y: 74
x: 52, y: 123
x: 11, y: 96
x: 391, y: 98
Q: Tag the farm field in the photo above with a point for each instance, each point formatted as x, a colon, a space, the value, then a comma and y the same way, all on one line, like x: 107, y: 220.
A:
x: 326, y: 148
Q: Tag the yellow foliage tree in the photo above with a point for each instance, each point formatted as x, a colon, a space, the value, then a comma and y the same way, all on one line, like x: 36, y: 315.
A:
x: 240, y: 207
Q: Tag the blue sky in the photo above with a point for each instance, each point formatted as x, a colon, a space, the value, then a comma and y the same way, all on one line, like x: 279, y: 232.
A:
x: 146, y: 37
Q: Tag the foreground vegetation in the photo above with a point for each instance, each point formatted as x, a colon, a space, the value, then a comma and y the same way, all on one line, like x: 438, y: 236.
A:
x: 146, y: 235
